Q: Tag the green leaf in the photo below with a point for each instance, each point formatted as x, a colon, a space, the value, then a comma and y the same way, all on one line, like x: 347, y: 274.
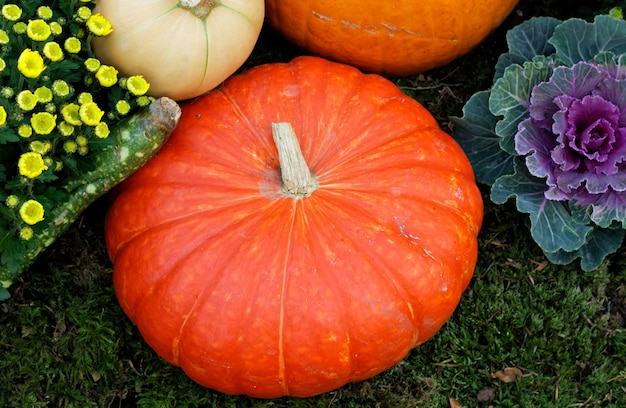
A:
x: 601, y: 243
x: 8, y: 135
x: 4, y: 294
x: 561, y: 257
x: 576, y: 40
x: 510, y: 96
x: 531, y: 37
x: 11, y: 255
x: 67, y: 7
x: 527, y: 40
x: 69, y: 70
x: 30, y: 6
x: 476, y: 135
x: 552, y: 225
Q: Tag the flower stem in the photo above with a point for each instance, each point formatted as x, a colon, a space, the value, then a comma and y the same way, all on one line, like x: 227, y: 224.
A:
x: 199, y: 8
x: 298, y: 181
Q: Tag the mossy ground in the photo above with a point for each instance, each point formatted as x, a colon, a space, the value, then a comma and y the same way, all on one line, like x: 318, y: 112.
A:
x: 64, y: 341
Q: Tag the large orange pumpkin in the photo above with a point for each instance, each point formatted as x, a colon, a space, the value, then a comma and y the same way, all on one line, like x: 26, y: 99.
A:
x: 398, y: 38
x: 264, y: 279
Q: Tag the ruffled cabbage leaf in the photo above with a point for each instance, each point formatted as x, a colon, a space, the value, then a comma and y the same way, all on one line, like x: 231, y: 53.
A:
x: 478, y: 139
x: 551, y: 134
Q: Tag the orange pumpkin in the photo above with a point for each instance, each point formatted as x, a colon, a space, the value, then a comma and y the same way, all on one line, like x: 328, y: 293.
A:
x: 396, y: 38
x: 267, y: 264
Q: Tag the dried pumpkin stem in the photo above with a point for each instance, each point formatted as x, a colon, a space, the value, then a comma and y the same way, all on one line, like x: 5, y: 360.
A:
x: 298, y: 181
x: 199, y: 8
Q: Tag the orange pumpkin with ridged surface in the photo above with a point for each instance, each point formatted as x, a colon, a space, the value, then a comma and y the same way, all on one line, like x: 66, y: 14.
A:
x: 396, y: 38
x: 268, y: 262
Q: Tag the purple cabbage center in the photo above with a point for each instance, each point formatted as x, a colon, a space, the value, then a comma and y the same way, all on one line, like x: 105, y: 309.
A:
x: 575, y: 136
x: 588, y: 135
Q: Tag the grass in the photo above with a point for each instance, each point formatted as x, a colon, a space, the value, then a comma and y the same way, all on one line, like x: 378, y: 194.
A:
x: 64, y: 341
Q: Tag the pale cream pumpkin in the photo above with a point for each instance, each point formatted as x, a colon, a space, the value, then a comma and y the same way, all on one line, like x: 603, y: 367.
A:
x: 183, y: 48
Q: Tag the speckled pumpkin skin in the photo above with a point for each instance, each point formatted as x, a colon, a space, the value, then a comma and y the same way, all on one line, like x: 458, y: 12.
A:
x: 396, y: 38
x: 254, y: 292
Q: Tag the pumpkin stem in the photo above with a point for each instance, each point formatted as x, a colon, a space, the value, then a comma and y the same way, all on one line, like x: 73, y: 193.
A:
x: 297, y: 179
x: 199, y: 8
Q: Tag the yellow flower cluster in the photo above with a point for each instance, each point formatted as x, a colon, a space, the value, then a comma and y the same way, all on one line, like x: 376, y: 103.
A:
x: 30, y: 63
x: 57, y: 100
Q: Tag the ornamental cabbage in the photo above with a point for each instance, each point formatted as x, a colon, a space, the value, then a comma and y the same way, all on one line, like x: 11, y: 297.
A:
x: 551, y: 133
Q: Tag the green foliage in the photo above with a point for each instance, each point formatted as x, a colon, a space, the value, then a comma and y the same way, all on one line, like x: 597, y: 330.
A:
x: 37, y: 85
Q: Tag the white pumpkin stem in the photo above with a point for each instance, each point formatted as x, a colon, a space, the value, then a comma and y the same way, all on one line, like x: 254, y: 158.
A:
x: 297, y: 179
x: 199, y: 8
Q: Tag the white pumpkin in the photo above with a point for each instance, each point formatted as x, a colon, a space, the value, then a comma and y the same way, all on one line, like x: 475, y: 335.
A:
x: 183, y: 48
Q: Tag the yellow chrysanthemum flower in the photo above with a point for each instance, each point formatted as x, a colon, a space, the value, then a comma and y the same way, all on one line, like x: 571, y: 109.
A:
x: 12, y: 201
x: 31, y: 164
x: 32, y: 212
x: 144, y: 100
x: 3, y: 64
x: 26, y: 100
x: 56, y: 28
x: 83, y: 13
x: 90, y: 113
x: 102, y: 130
x: 11, y: 12
x: 4, y: 37
x: 3, y: 116
x: 70, y: 114
x: 53, y: 51
x: 92, y: 64
x: 25, y: 131
x: 70, y: 146
x: 44, y: 12
x: 30, y: 63
x: 38, y: 30
x: 99, y: 25
x: 43, y: 123
x: 50, y: 107
x: 81, y: 140
x: 106, y: 75
x: 7, y: 92
x: 137, y: 85
x: 43, y: 94
x: 65, y: 129
x: 122, y: 107
x: 61, y: 88
x: 20, y: 27
x: 26, y: 233
x: 72, y: 45
x: 40, y: 147
x: 84, y: 97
